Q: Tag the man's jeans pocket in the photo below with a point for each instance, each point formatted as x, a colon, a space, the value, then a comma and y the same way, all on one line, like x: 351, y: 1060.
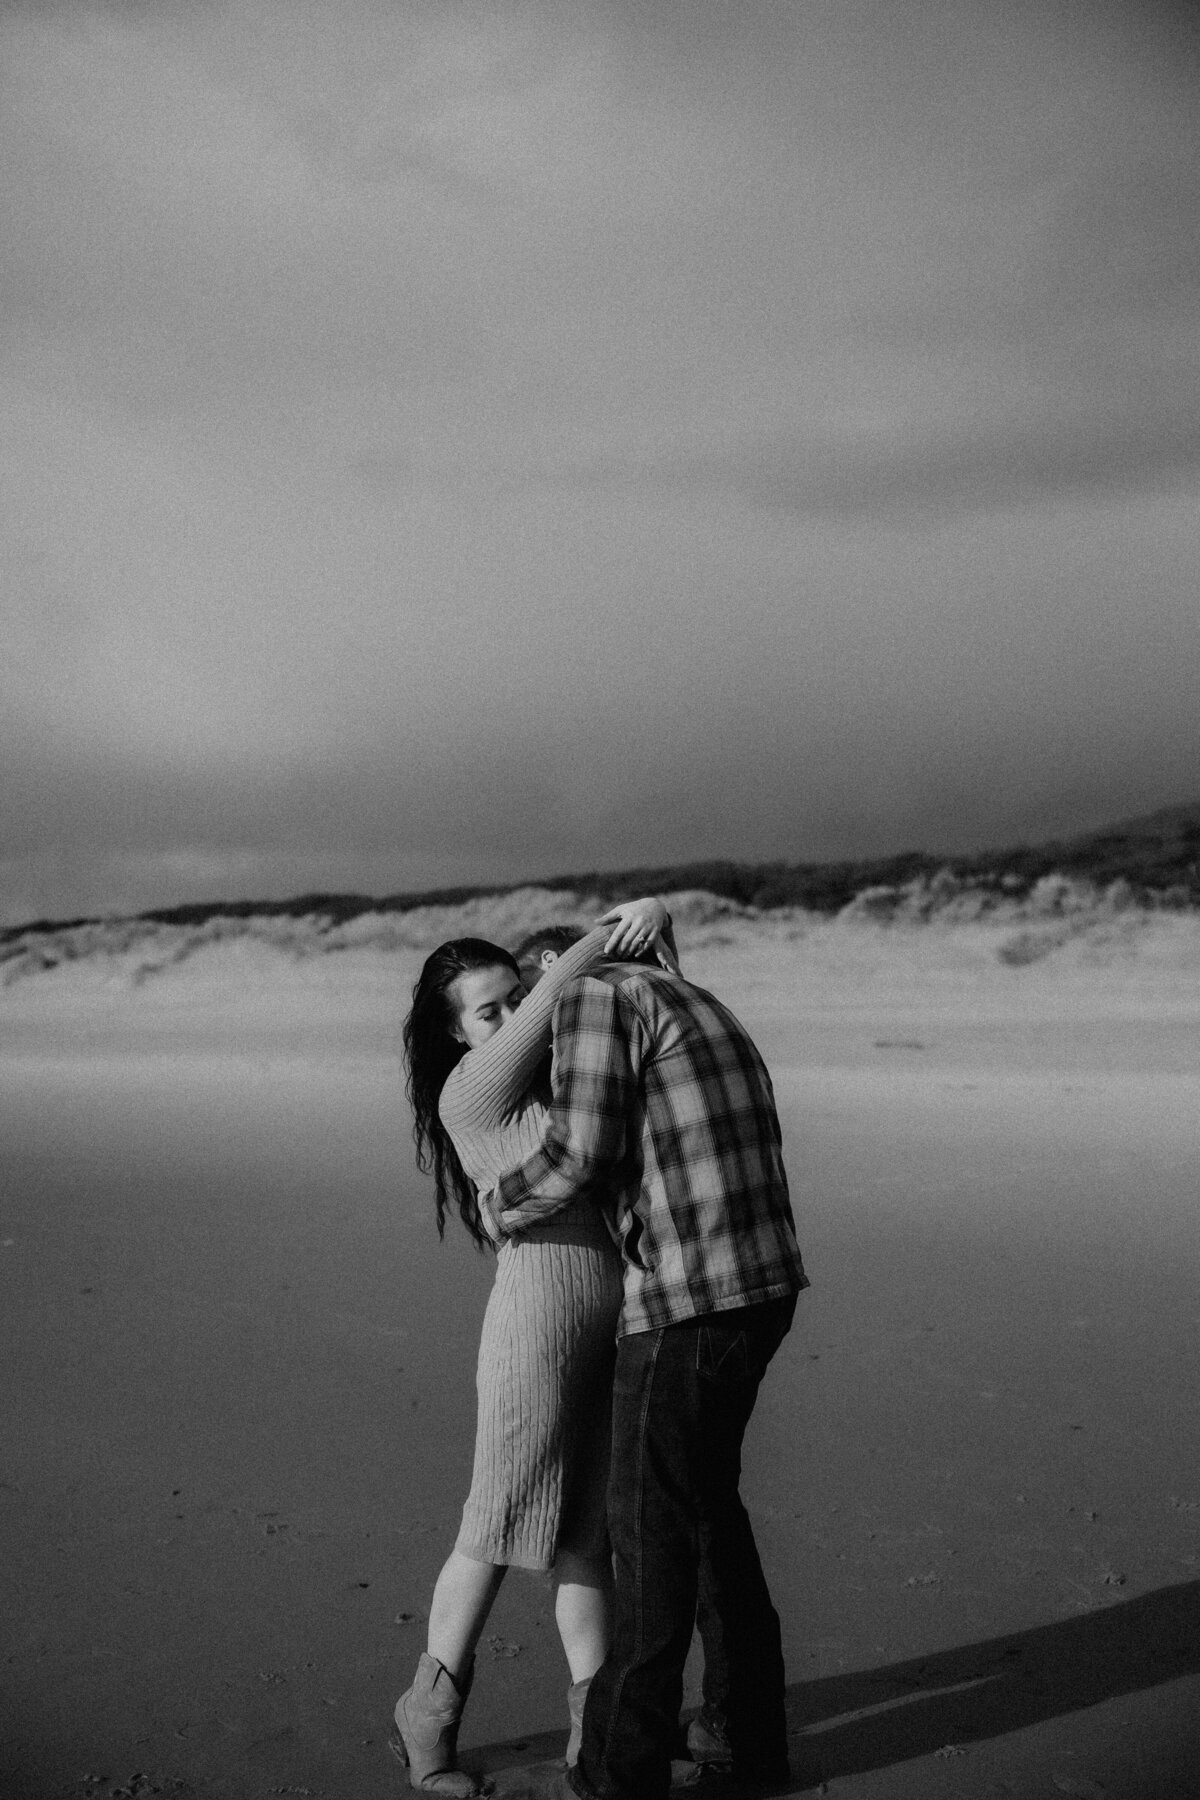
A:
x: 733, y: 1352
x: 723, y: 1356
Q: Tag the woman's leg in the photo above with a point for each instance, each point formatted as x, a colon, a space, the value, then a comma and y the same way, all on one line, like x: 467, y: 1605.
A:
x: 429, y: 1713
x: 582, y: 1605
x: 462, y: 1599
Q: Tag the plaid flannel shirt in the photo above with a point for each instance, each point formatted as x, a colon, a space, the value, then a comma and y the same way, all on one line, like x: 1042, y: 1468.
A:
x: 663, y: 1111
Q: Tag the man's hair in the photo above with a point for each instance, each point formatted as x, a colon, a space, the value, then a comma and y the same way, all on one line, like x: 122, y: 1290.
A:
x: 551, y: 937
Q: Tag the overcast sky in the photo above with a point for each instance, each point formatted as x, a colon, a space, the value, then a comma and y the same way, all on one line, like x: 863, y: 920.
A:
x: 449, y: 442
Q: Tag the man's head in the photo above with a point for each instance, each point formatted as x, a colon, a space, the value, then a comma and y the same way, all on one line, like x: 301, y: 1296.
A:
x: 541, y: 949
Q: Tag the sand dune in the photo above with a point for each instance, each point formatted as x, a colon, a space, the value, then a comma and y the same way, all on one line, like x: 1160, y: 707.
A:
x: 236, y: 1429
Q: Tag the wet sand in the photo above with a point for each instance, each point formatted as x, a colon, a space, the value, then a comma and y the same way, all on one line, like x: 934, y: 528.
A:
x: 236, y: 1428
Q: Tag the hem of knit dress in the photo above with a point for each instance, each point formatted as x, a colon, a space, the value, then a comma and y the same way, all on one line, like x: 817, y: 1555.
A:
x: 504, y: 1559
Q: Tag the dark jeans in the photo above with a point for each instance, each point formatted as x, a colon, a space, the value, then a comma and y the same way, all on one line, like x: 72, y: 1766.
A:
x: 682, y: 1399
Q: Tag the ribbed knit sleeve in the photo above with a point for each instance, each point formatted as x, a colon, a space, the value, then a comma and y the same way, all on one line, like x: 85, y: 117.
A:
x: 482, y: 1090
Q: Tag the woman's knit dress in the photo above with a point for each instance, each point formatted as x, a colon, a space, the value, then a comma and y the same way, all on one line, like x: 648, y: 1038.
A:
x: 544, y: 1379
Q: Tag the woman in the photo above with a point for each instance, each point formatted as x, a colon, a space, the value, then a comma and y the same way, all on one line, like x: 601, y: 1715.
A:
x: 475, y: 1050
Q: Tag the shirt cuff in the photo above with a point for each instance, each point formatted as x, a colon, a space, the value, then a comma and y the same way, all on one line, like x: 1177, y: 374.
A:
x: 489, y: 1218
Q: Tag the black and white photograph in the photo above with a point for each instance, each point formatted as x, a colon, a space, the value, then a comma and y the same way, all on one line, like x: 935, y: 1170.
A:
x: 599, y: 899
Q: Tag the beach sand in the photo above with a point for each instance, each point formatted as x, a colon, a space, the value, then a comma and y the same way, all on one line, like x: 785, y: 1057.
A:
x: 236, y: 1419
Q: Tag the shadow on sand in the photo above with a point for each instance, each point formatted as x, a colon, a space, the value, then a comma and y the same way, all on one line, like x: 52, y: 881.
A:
x: 850, y: 1724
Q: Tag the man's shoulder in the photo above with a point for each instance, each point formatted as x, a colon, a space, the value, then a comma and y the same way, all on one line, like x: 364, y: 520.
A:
x: 638, y: 975
x: 620, y: 977
x: 667, y: 1005
x: 644, y: 988
x: 675, y: 1010
x: 657, y: 987
x: 587, y: 997
x: 621, y: 993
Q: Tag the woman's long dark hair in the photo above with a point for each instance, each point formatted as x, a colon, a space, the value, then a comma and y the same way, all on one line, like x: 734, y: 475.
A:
x: 430, y: 1052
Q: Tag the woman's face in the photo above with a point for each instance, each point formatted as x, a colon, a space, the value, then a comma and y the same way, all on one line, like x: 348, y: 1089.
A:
x: 484, y: 998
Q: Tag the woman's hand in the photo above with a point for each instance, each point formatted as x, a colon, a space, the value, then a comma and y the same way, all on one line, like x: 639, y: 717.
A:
x: 637, y: 925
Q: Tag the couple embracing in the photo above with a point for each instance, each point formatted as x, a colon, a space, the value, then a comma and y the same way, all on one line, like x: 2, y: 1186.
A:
x: 633, y: 1185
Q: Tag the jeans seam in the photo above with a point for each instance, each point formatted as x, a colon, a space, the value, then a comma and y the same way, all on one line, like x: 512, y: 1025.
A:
x: 614, y: 1703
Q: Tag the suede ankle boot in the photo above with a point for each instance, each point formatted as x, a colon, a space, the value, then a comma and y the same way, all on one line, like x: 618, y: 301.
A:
x: 427, y: 1720
x: 577, y: 1695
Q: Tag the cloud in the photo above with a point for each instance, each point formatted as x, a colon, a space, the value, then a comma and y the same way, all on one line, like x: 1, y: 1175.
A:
x: 1032, y: 463
x: 525, y: 436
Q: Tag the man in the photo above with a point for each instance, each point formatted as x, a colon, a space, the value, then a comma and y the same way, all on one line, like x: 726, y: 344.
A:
x: 708, y: 1733
x: 661, y: 1100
